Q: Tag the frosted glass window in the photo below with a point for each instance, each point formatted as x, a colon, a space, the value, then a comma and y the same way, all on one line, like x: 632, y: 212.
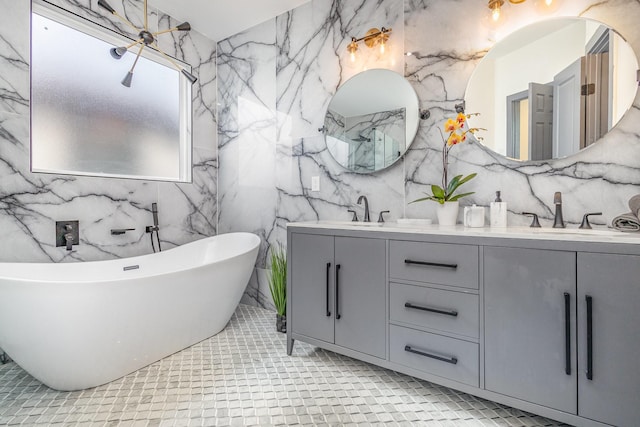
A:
x: 84, y: 122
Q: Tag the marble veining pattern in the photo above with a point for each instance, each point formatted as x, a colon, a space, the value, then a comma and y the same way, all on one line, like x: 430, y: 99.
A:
x: 246, y: 133
x: 312, y: 62
x: 30, y: 203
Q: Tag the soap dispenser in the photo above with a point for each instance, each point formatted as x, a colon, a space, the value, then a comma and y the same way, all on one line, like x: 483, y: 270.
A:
x: 498, y: 212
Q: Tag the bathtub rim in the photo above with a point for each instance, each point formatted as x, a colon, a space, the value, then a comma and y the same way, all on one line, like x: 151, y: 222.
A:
x: 128, y: 260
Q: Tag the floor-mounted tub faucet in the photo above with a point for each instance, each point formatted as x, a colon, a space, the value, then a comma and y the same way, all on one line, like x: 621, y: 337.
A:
x: 366, y: 208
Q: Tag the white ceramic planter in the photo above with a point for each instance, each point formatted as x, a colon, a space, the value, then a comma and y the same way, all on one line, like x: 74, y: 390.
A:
x: 447, y: 213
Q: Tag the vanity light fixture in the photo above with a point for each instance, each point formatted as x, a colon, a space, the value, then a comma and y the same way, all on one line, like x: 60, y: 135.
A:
x: 374, y: 37
x: 145, y: 38
x: 496, y: 13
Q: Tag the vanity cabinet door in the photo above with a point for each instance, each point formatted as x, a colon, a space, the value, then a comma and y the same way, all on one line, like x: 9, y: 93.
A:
x: 312, y: 278
x: 529, y: 308
x: 360, y: 295
x: 609, y: 338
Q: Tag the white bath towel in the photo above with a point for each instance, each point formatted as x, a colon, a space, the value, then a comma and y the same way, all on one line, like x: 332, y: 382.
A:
x: 630, y: 221
x: 626, y: 222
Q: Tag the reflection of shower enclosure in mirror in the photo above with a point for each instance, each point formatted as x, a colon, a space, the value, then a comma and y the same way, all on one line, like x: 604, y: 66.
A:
x: 371, y: 121
x: 368, y: 142
x: 566, y: 83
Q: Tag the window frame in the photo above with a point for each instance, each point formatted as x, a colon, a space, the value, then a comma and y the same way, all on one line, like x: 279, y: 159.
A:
x: 107, y: 35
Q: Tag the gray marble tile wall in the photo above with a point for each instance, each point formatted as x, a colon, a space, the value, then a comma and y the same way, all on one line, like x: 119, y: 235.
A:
x: 30, y: 203
x: 276, y: 80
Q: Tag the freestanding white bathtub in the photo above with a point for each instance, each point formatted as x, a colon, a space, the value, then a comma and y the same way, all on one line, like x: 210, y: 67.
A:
x: 78, y: 325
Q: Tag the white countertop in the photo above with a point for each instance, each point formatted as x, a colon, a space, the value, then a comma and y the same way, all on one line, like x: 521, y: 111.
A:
x: 601, y: 235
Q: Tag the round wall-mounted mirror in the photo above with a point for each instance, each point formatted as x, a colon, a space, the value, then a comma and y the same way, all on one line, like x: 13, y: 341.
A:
x: 552, y: 88
x: 371, y: 120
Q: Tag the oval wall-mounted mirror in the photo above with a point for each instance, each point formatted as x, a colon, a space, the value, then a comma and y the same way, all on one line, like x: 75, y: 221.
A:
x: 552, y: 88
x: 371, y: 120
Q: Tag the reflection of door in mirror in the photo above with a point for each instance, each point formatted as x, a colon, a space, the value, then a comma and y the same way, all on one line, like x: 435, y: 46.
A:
x: 584, y: 97
x: 530, y: 122
x: 567, y: 120
x: 590, y: 68
x: 583, y: 101
x: 518, y: 125
x: 540, y: 121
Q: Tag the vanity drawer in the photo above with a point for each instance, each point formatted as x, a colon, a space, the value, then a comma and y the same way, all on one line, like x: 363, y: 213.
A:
x: 442, y: 310
x: 445, y: 357
x: 441, y: 263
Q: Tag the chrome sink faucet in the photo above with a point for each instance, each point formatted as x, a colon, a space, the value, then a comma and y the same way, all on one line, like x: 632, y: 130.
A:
x: 366, y: 208
x: 558, y: 222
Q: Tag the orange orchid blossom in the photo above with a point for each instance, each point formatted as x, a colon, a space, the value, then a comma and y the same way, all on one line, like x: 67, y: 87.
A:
x: 457, y: 134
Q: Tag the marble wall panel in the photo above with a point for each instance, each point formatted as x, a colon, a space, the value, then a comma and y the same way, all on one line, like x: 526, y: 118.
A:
x: 247, y: 133
x: 601, y: 178
x: 446, y: 39
x: 14, y: 56
x: 30, y: 203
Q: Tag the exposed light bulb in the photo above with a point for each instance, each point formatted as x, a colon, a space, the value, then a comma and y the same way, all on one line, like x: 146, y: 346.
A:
x: 495, y: 14
x: 382, y: 47
x: 352, y: 48
x: 546, y: 7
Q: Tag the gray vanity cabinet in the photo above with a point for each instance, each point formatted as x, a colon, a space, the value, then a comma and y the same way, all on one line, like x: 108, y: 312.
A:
x: 609, y: 338
x: 338, y: 291
x: 530, y: 330
x: 312, y: 294
x: 549, y: 327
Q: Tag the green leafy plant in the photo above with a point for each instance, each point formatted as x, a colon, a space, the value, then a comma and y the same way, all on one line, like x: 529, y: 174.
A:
x: 278, y: 279
x: 442, y: 195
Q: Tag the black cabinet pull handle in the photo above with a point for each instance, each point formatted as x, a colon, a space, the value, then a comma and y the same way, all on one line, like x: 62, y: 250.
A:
x: 327, y: 290
x: 567, y: 333
x: 432, y: 310
x: 431, y: 264
x: 589, y: 337
x: 338, y: 316
x: 452, y: 360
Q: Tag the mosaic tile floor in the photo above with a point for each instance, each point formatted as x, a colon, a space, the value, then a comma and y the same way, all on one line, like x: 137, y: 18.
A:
x: 243, y: 376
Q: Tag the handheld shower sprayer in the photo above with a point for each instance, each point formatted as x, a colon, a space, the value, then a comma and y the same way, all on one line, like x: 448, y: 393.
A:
x: 155, y: 228
x: 154, y: 211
